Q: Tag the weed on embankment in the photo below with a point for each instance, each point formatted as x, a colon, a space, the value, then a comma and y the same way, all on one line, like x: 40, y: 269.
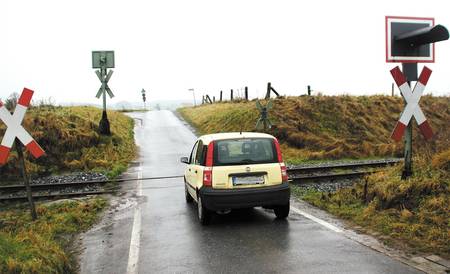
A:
x: 70, y: 138
x: 412, y: 213
x: 328, y: 127
x: 43, y: 246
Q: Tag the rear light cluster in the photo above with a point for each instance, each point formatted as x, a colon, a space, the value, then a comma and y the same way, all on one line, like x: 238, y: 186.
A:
x: 207, y: 172
x: 207, y: 176
x: 284, y: 175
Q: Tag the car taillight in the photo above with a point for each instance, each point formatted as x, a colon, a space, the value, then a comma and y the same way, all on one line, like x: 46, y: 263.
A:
x: 284, y: 175
x: 207, y: 172
x: 207, y: 176
x: 210, y: 154
x: 277, y: 147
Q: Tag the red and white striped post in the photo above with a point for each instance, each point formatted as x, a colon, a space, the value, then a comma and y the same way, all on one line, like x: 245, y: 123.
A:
x: 15, y: 130
x: 412, y: 109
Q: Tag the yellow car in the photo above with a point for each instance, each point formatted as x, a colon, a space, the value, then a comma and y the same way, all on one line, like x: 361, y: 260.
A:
x: 236, y: 170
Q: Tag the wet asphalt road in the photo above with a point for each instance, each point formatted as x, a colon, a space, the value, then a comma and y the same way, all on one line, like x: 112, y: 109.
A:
x: 247, y: 241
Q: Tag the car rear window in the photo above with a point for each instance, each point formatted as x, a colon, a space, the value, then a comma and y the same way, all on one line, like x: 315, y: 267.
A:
x: 244, y: 151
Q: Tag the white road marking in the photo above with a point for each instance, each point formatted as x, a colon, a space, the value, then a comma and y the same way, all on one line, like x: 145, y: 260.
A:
x: 135, y: 242
x: 317, y: 220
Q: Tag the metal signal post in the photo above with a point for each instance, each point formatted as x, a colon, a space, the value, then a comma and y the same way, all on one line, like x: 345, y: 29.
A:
x: 410, y: 40
x: 103, y: 60
x: 264, y: 118
x: 144, y: 98
x: 15, y: 131
x: 193, y: 93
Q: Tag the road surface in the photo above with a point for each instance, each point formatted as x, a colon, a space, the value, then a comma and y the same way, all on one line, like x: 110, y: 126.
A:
x: 151, y: 229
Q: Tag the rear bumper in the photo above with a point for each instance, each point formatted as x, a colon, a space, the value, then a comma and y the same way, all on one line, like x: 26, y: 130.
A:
x: 219, y: 199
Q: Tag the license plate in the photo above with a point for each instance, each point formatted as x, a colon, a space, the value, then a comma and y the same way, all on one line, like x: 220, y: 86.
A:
x: 248, y: 180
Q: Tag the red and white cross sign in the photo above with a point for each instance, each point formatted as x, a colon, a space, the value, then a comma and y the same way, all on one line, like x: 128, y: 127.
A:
x: 15, y: 129
x: 412, y: 107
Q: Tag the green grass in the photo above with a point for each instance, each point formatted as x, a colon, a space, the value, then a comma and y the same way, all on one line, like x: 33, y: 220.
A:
x: 70, y: 138
x: 42, y: 246
x: 328, y: 127
x: 413, y: 213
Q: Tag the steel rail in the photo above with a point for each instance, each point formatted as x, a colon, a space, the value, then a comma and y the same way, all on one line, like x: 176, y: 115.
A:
x: 82, y: 183
x: 42, y: 196
x: 50, y: 186
x: 303, y: 178
x: 293, y: 176
x: 345, y: 165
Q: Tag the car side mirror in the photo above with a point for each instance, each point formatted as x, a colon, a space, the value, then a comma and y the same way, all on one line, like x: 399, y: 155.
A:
x: 184, y: 160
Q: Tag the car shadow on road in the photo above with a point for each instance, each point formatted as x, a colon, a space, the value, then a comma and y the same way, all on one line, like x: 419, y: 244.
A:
x: 242, y: 217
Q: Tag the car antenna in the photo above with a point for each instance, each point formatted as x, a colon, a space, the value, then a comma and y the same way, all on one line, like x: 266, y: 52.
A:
x: 240, y: 132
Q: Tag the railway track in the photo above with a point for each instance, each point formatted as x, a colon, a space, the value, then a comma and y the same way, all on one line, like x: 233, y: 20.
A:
x: 55, y: 195
x: 335, y: 171
x: 297, y: 174
x: 55, y: 190
x: 66, y: 189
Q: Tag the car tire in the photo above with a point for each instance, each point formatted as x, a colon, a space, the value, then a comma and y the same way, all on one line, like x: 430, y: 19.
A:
x: 187, y: 194
x: 282, y: 211
x: 204, y: 215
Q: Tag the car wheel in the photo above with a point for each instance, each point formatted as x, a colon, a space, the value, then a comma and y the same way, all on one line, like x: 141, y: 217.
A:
x: 187, y: 195
x: 282, y: 211
x: 204, y: 215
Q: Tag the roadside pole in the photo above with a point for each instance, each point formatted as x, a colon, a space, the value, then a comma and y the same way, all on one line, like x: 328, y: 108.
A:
x: 410, y: 72
x: 410, y: 40
x: 15, y: 131
x: 264, y: 115
x: 103, y: 60
x: 26, y: 180
x: 104, y: 126
x: 144, y: 98
x: 193, y: 93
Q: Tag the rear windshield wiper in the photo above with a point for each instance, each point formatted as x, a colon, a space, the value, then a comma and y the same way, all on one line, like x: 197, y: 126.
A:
x: 248, y: 161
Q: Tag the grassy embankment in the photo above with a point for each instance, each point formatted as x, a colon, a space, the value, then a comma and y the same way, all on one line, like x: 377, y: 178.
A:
x: 69, y: 136
x: 414, y: 213
x: 43, y: 246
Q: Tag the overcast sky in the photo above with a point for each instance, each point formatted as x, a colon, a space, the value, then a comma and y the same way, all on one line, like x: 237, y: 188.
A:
x: 170, y: 46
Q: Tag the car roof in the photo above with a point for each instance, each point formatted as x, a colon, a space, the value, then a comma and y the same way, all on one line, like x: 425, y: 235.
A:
x: 206, y: 139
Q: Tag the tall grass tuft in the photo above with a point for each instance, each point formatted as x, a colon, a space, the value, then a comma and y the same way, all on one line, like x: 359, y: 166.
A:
x: 70, y: 138
x: 329, y: 127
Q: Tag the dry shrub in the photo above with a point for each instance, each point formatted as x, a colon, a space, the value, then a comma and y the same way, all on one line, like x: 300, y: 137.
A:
x: 442, y: 160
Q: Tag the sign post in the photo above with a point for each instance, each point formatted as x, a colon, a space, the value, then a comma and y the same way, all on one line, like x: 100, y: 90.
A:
x: 264, y: 118
x: 103, y: 60
x: 193, y: 93
x: 144, y: 98
x: 410, y: 40
x: 15, y: 130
